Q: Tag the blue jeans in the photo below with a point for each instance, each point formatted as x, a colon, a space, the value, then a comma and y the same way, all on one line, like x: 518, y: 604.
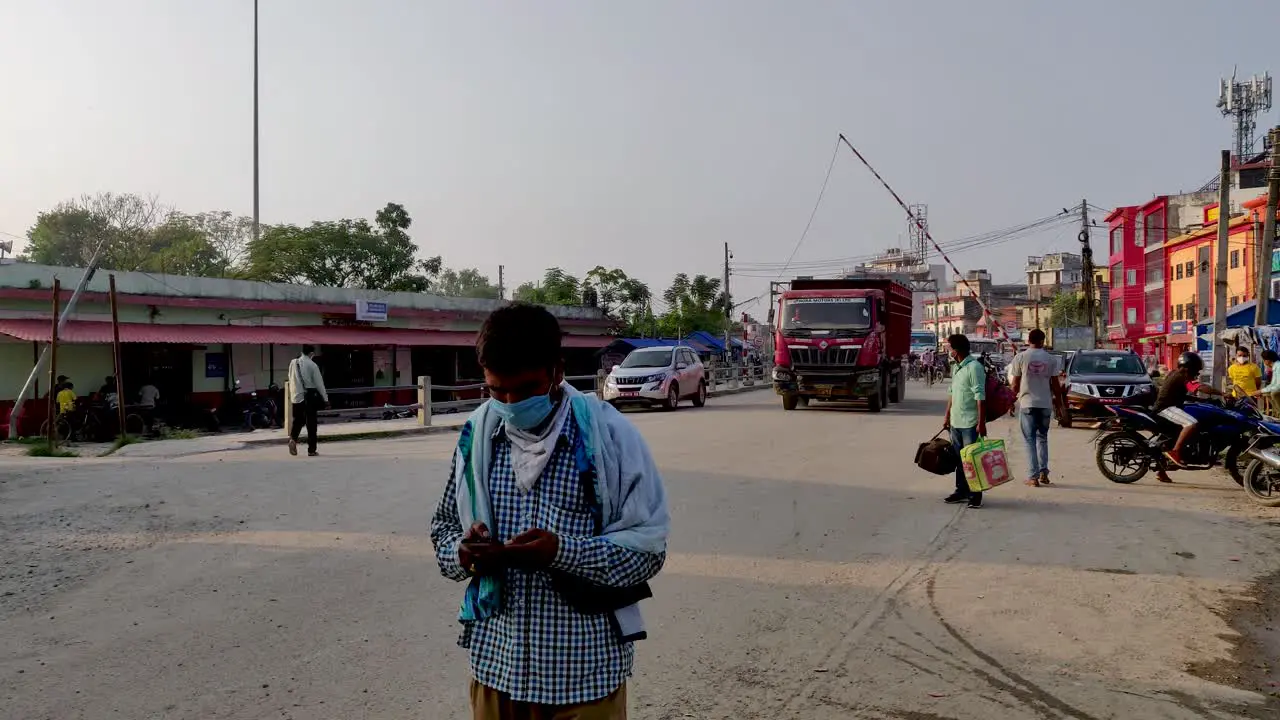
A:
x: 960, y: 437
x: 1035, y: 430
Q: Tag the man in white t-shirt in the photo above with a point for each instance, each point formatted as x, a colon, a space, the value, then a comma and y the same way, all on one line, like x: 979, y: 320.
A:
x: 1035, y: 383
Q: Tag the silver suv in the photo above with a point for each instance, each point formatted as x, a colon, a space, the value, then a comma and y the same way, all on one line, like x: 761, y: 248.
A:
x: 658, y: 376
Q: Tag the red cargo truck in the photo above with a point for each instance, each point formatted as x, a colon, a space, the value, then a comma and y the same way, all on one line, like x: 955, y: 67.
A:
x: 844, y: 340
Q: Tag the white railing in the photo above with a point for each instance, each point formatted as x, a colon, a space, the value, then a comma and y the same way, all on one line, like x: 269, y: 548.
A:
x: 720, y: 378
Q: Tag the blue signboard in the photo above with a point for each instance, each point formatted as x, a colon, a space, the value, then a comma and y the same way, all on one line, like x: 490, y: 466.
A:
x: 1178, y: 327
x: 215, y: 365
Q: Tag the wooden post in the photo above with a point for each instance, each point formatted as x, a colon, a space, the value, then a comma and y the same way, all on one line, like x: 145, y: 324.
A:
x: 51, y: 422
x: 115, y: 352
x: 424, y: 400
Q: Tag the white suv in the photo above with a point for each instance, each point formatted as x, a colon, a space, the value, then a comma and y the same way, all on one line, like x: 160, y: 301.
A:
x: 658, y: 376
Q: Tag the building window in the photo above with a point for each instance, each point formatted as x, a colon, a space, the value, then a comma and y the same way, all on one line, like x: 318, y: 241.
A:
x: 1191, y: 268
x: 1235, y: 261
x: 1155, y: 268
x: 1177, y: 312
x: 1117, y: 239
x: 1115, y: 275
x: 1235, y: 300
x: 1130, y: 277
x: 1153, y: 228
x: 1275, y: 289
x: 1177, y: 275
x: 1131, y: 316
x: 1117, y: 309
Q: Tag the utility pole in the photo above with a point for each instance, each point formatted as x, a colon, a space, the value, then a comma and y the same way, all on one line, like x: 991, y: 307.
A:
x: 257, y: 227
x: 502, y: 289
x: 1220, y: 273
x: 1268, y: 230
x: 1086, y: 258
x: 115, y: 354
x: 52, y: 437
x: 728, y: 306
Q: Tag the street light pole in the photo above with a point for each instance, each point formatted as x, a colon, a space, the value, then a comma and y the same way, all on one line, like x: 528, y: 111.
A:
x: 256, y: 220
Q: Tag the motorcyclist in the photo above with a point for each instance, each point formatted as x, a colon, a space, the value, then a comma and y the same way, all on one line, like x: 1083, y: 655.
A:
x: 1174, y: 391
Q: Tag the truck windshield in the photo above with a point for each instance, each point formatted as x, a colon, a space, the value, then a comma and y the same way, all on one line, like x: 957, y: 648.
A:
x: 826, y: 313
x: 647, y: 359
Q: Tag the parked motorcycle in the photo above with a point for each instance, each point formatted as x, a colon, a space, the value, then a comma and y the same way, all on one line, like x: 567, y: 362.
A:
x: 1134, y: 442
x: 259, y: 412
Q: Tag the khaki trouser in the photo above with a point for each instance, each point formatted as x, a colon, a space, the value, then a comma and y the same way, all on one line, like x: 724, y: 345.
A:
x: 490, y: 704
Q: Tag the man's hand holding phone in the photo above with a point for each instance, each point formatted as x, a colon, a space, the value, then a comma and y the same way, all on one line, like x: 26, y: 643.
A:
x: 479, y: 553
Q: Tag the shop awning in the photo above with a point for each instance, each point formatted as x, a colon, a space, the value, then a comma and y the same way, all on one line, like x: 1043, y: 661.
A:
x: 83, y: 332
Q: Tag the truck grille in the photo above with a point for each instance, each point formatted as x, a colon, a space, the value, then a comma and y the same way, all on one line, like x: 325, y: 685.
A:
x: 802, y: 357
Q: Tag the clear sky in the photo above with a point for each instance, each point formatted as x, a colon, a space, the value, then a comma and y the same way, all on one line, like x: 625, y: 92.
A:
x: 635, y: 134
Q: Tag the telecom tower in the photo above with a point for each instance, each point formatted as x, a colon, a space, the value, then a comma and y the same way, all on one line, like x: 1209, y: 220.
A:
x: 1243, y: 101
x: 916, y: 231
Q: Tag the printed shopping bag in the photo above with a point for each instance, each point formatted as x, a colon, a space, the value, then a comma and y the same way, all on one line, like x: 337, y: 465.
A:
x: 985, y: 464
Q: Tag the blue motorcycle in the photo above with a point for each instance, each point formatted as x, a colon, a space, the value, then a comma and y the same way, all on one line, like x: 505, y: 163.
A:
x: 1136, y: 439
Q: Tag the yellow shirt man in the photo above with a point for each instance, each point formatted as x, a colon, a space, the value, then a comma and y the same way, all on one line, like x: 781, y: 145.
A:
x: 1245, y: 376
x: 66, y: 400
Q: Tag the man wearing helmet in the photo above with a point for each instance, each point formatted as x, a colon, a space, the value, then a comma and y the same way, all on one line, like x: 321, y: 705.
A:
x: 1174, y: 391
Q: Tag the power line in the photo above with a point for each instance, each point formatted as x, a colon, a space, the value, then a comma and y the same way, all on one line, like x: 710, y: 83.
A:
x: 835, y: 153
x: 959, y: 245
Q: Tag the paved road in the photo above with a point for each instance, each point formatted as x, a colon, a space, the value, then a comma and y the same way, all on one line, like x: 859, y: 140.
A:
x: 814, y: 573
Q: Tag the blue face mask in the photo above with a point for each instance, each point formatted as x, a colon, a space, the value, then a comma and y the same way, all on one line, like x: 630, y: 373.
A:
x: 526, y: 414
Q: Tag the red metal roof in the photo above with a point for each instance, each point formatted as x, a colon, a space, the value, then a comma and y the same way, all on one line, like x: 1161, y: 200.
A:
x: 79, y: 331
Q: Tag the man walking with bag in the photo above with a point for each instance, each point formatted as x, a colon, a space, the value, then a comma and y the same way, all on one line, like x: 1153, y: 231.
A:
x: 309, y: 396
x: 964, y: 411
x: 1035, y: 383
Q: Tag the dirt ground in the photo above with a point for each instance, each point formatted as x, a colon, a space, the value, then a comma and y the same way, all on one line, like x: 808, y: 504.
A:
x: 813, y: 573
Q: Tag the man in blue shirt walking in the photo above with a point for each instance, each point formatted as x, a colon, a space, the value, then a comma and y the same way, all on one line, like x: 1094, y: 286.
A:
x: 554, y: 512
x: 964, y: 411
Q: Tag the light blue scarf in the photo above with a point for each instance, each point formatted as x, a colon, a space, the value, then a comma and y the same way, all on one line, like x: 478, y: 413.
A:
x: 633, y: 504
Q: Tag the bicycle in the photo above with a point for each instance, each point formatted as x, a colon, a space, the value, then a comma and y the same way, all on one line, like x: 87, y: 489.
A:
x: 61, y: 426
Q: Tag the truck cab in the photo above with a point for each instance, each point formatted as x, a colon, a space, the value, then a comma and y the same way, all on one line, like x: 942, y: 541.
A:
x: 842, y: 340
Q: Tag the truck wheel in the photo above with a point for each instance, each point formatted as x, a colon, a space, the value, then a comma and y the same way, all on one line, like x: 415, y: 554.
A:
x: 804, y: 401
x: 895, y: 392
x: 789, y: 401
x: 875, y: 402
x: 902, y: 389
x: 673, y: 397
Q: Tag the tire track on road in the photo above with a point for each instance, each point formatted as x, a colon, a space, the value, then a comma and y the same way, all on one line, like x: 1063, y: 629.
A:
x: 844, y: 647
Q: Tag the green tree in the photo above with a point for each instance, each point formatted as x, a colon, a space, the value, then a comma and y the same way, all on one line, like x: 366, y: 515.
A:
x: 693, y: 304
x: 467, y: 282
x: 344, y: 253
x: 1067, y: 309
x: 557, y: 288
x: 228, y: 234
x: 135, y: 233
x: 622, y: 297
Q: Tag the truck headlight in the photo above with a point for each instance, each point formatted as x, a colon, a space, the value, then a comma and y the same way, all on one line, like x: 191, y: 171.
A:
x: 867, y: 378
x: 782, y: 374
x: 1143, y: 388
x: 1082, y: 389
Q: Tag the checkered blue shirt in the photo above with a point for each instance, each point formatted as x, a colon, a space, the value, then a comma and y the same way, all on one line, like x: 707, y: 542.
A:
x: 538, y: 649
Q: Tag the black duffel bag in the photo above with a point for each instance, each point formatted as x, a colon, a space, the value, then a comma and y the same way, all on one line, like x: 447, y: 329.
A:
x: 937, y: 456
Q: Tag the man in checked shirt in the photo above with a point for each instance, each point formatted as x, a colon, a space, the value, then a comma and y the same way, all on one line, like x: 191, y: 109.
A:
x: 554, y: 512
